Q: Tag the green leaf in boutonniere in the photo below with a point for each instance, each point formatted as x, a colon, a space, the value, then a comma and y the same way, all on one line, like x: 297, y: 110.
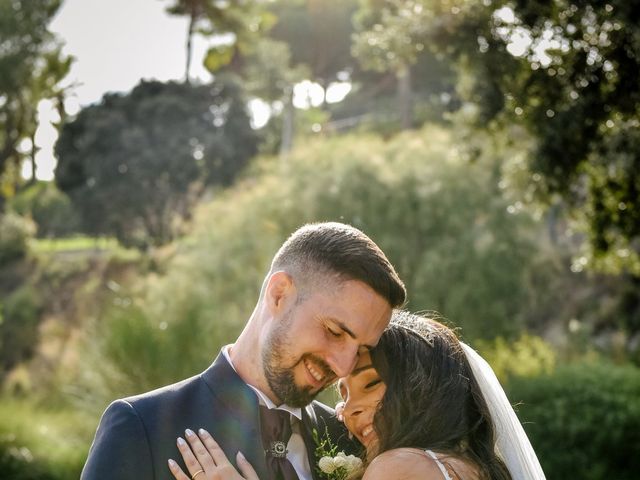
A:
x: 332, y: 464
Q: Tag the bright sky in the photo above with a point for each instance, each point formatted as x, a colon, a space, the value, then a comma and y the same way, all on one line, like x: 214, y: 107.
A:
x: 118, y: 42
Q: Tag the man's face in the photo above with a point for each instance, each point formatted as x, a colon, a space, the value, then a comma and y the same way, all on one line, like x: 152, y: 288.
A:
x: 320, y: 338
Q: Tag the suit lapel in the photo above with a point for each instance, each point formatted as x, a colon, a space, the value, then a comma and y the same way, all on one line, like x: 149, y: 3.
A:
x: 309, y: 423
x: 238, y: 426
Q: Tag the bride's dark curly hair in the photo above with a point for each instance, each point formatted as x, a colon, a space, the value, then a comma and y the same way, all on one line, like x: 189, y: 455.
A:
x: 432, y: 400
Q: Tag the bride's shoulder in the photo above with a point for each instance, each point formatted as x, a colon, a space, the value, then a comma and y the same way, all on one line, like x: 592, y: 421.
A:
x: 403, y: 463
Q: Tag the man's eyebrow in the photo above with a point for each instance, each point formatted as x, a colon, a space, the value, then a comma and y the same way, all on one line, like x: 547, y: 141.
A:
x: 348, y: 331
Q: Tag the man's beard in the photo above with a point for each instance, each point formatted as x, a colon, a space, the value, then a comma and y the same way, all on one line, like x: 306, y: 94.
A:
x: 280, y: 378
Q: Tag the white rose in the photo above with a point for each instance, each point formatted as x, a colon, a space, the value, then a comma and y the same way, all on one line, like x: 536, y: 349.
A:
x: 353, y: 463
x: 340, y: 461
x: 327, y: 464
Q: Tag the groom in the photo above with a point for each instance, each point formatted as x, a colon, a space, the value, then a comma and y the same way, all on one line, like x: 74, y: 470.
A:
x: 327, y: 297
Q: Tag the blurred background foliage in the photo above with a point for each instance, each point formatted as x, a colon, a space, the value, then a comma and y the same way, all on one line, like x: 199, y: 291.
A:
x: 591, y: 409
x: 490, y: 148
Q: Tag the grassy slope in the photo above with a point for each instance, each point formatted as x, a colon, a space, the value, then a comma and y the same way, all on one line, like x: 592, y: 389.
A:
x: 43, y: 435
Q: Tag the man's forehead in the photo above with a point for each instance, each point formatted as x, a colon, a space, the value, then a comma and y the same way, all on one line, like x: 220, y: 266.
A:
x: 365, y: 316
x: 367, y: 333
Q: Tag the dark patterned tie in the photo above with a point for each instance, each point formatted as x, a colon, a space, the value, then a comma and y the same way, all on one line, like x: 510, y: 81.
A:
x: 276, y: 431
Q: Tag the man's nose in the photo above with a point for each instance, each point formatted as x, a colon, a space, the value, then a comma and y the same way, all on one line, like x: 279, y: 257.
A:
x: 343, y: 360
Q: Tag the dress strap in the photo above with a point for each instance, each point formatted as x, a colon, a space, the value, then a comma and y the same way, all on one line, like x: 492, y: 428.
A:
x: 442, y: 468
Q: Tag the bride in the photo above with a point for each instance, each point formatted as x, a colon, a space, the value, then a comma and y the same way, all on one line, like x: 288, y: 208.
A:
x: 423, y: 405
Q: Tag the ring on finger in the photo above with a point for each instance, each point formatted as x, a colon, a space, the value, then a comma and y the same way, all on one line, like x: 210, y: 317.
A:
x: 196, y: 474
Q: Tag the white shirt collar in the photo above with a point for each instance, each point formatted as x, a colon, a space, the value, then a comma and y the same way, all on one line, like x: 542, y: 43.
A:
x: 262, y: 398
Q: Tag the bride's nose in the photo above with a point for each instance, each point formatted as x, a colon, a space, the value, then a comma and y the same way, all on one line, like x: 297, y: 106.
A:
x: 353, y: 409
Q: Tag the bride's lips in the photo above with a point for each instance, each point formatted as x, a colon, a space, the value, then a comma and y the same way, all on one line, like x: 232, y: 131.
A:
x: 366, y: 434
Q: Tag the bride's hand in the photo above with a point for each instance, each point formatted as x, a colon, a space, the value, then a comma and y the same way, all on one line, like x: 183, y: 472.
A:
x: 340, y: 411
x: 205, y: 460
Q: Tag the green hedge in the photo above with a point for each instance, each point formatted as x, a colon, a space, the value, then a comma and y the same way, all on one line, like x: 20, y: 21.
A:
x: 50, y: 209
x: 39, y: 442
x: 583, y: 420
x: 17, y: 463
x: 15, y: 232
x: 20, y: 315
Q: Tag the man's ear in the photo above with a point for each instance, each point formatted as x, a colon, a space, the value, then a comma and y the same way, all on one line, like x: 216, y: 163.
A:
x: 280, y: 292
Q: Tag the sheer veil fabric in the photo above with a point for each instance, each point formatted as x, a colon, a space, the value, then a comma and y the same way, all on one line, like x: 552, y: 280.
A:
x: 512, y: 442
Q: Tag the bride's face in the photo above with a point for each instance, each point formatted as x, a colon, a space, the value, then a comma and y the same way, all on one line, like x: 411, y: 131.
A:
x: 362, y: 391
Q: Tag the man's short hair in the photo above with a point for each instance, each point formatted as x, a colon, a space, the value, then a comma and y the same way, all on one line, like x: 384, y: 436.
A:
x: 338, y: 252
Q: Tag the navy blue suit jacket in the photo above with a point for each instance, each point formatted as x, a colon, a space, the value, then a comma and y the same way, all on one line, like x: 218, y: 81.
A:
x: 137, y: 435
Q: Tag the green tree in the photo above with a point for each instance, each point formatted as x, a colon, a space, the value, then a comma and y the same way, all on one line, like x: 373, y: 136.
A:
x: 566, y: 71
x: 134, y: 164
x: 384, y: 42
x: 396, y: 37
x: 318, y: 35
x: 49, y: 208
x: 268, y: 74
x: 211, y: 17
x: 262, y: 63
x: 576, y: 90
x: 31, y: 68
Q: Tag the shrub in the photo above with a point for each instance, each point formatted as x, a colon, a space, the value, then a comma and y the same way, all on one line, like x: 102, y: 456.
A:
x: 162, y: 352
x: 19, y: 327
x: 583, y: 420
x: 14, y: 235
x: 525, y: 356
x: 50, y: 209
x: 17, y: 463
x: 441, y: 220
x: 38, y: 443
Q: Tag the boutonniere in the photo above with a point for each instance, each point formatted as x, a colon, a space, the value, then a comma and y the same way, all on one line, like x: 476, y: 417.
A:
x: 332, y: 464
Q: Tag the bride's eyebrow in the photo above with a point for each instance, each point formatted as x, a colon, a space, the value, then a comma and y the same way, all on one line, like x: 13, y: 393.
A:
x: 361, y: 369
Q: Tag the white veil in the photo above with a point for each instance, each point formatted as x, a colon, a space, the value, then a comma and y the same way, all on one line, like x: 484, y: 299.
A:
x: 511, y: 440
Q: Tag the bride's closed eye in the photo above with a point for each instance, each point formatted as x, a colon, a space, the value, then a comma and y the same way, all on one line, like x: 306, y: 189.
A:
x: 372, y: 383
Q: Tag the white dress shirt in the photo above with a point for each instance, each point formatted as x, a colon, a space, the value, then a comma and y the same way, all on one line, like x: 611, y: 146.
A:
x: 296, y: 450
